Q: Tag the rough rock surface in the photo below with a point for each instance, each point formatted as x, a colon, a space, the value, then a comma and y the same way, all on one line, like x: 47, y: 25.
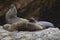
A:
x: 46, y: 34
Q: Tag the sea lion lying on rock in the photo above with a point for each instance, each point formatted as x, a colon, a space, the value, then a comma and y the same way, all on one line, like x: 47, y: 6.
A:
x: 27, y: 26
x: 22, y: 26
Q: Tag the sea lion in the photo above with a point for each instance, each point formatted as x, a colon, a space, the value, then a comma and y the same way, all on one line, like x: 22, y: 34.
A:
x: 11, y: 15
x: 20, y: 24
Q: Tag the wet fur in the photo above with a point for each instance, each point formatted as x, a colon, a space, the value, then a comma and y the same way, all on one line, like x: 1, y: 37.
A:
x: 21, y: 26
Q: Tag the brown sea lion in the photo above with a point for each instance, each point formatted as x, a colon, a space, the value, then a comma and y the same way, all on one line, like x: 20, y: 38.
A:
x: 23, y: 26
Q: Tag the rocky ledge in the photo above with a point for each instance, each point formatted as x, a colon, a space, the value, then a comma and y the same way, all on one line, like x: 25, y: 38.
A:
x: 46, y: 34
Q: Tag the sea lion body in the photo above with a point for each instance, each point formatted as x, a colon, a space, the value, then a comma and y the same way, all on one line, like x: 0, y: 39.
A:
x: 22, y: 26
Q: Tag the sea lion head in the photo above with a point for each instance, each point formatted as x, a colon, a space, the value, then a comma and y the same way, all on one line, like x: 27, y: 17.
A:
x: 7, y: 27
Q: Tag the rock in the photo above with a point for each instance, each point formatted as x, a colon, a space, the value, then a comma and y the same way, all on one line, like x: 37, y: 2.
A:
x: 7, y: 38
x: 3, y: 32
x: 46, y: 24
x: 53, y: 36
x: 46, y: 34
x: 38, y: 35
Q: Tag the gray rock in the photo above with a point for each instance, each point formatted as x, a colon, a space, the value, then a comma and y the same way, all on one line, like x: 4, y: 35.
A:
x: 53, y: 36
x: 46, y: 34
x: 45, y: 24
x: 38, y: 35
